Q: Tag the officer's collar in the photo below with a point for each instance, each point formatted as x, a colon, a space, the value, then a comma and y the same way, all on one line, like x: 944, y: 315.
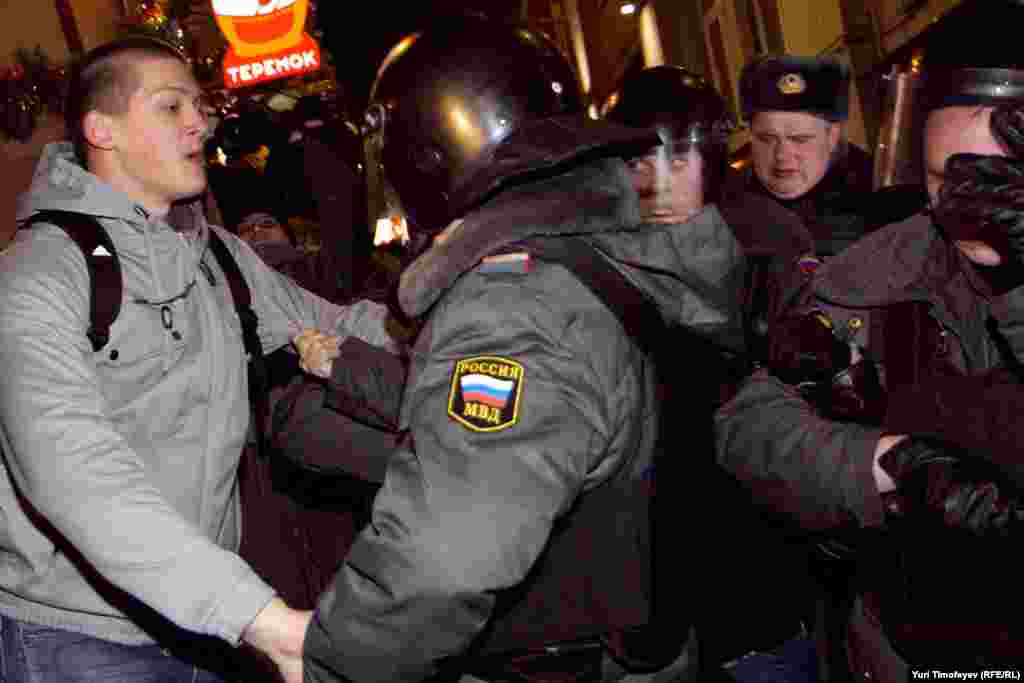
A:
x: 592, y: 198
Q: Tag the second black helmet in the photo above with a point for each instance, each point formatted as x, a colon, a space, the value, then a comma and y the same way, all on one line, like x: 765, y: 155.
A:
x: 685, y: 110
x: 678, y: 102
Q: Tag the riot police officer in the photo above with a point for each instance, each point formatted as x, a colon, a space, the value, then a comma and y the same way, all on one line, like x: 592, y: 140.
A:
x: 509, y: 536
x: 687, y: 170
x: 690, y: 170
x: 686, y: 174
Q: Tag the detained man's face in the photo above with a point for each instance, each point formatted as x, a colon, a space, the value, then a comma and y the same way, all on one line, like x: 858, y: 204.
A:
x: 956, y: 130
x: 791, y: 150
x: 670, y: 185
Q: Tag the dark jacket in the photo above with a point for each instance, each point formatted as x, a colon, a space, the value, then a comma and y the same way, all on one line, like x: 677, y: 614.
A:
x: 819, y: 471
x: 475, y: 534
x: 316, y: 179
x: 348, y: 424
x: 773, y: 240
x: 301, y: 510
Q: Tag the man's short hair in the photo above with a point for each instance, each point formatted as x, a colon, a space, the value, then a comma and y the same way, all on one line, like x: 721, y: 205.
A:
x: 105, y: 79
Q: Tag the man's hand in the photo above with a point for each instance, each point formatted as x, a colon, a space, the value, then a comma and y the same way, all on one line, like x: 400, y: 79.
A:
x: 935, y: 480
x: 883, y: 481
x: 317, y: 352
x: 278, y: 632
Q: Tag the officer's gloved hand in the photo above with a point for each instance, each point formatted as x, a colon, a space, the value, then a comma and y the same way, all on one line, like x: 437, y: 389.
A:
x: 803, y: 349
x: 940, y: 482
x: 981, y: 200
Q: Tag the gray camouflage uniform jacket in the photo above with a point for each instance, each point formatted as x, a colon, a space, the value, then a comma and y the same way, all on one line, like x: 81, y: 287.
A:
x: 525, y: 398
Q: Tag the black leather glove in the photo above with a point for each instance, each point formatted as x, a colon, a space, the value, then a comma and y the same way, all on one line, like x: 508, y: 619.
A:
x: 982, y: 199
x: 803, y: 349
x: 939, y: 482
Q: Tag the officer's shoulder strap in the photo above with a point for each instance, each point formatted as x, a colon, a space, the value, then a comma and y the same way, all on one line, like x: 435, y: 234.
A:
x: 636, y: 312
x: 105, y: 283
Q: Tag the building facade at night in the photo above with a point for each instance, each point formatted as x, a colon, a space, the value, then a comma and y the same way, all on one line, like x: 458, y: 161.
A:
x: 604, y: 38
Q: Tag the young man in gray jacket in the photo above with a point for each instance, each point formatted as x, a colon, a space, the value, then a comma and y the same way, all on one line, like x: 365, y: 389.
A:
x: 119, y: 515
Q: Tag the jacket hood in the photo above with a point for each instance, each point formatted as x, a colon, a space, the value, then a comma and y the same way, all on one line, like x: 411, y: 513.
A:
x: 152, y: 244
x: 692, y: 271
x: 61, y: 183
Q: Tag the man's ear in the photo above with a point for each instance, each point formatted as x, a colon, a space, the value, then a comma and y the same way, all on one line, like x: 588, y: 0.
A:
x: 835, y: 131
x: 99, y: 130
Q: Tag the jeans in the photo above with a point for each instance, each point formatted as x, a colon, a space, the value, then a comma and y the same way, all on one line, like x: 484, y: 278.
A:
x: 40, y: 654
x: 795, y: 661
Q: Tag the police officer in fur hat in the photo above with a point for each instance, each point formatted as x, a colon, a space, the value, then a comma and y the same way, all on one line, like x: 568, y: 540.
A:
x: 796, y: 108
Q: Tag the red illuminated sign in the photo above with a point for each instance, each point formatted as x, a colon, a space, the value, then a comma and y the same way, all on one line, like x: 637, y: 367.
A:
x: 267, y: 40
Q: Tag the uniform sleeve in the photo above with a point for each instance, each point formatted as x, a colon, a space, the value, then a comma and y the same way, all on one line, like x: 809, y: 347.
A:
x: 73, y: 467
x: 1008, y: 313
x: 505, y: 425
x: 815, y: 470
x: 285, y: 309
x: 347, y: 423
x: 367, y: 385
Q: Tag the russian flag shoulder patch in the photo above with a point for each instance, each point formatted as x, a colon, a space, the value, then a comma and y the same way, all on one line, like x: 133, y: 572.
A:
x: 808, y: 264
x: 485, y: 393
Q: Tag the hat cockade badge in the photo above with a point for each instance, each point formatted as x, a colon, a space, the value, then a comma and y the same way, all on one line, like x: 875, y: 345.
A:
x: 792, y: 84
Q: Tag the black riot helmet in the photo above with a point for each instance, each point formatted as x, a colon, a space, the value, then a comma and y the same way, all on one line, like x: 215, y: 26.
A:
x: 961, y: 71
x: 446, y: 98
x: 685, y: 110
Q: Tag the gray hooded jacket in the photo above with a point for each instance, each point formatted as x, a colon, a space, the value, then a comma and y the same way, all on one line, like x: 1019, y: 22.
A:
x: 129, y: 455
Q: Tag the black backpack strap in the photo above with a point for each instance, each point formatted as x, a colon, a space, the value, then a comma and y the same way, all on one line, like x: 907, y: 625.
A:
x: 105, y: 282
x: 636, y: 311
x: 258, y: 375
x: 239, y: 294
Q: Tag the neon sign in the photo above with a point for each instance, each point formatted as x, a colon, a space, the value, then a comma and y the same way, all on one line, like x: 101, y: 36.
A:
x: 267, y: 40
